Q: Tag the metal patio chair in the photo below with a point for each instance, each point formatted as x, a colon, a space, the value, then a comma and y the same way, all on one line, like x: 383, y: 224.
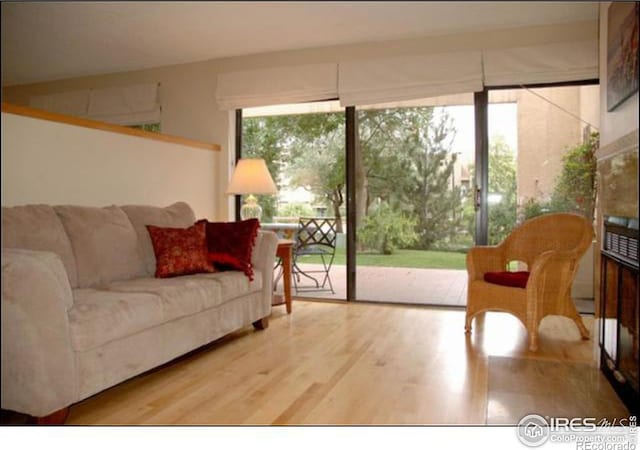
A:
x: 316, y: 236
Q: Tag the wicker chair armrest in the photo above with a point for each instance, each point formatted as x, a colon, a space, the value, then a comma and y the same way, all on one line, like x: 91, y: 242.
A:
x: 483, y: 259
x: 553, y: 260
x: 551, y: 275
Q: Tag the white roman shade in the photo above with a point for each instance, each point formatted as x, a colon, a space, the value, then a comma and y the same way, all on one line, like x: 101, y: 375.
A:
x: 279, y: 85
x: 125, y: 105
x: 74, y: 103
x: 550, y: 63
x: 409, y: 77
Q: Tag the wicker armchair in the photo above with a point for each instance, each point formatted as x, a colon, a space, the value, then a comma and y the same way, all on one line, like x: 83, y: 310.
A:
x: 551, y: 246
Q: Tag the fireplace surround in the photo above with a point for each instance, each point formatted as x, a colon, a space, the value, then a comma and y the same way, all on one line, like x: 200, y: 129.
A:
x: 618, y: 235
x: 619, y: 308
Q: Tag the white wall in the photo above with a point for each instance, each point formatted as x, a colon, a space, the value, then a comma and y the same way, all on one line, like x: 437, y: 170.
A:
x: 624, y: 119
x: 188, y: 91
x: 54, y: 163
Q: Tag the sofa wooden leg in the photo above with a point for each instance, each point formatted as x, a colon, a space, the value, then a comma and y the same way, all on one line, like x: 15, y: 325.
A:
x: 57, y: 418
x: 261, y: 324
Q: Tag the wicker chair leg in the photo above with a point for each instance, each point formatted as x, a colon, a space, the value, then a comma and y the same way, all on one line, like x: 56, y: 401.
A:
x: 533, y: 341
x: 584, y: 333
x: 467, y: 323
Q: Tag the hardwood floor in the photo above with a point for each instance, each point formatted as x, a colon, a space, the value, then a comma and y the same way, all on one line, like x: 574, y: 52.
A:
x: 330, y: 363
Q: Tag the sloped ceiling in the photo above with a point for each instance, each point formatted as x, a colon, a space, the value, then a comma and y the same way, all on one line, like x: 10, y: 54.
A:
x: 48, y: 41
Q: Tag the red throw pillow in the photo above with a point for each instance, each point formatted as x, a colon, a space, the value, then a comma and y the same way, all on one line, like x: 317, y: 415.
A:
x: 180, y: 251
x: 511, y: 279
x: 230, y: 244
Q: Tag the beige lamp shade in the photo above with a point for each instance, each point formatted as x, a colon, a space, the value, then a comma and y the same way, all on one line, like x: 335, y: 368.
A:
x: 251, y: 177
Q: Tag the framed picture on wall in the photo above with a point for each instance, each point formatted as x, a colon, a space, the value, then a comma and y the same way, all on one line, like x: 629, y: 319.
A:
x: 622, y: 53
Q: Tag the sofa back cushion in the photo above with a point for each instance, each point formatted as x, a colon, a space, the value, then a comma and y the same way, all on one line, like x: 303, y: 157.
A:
x: 104, y: 243
x: 37, y: 227
x: 178, y: 215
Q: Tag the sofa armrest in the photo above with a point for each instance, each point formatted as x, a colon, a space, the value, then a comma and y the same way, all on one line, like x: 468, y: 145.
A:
x: 263, y: 260
x: 38, y: 362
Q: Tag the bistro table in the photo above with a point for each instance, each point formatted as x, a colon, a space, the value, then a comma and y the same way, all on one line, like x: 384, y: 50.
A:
x: 283, y: 230
x: 284, y: 252
x: 286, y: 234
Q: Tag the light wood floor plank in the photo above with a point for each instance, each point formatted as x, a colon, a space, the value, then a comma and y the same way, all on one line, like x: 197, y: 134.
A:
x: 331, y: 363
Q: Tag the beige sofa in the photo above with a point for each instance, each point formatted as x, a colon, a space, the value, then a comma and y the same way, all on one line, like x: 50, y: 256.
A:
x: 82, y: 311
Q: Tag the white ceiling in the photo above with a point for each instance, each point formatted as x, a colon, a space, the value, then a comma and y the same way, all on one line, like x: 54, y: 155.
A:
x: 48, y: 41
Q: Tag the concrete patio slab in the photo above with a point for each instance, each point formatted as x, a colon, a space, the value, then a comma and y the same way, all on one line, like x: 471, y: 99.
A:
x: 433, y: 287
x: 441, y: 287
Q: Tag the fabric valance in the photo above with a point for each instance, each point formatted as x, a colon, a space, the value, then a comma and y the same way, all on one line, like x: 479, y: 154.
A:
x: 277, y: 85
x: 409, y: 77
x: 74, y: 103
x: 551, y: 63
x: 125, y: 105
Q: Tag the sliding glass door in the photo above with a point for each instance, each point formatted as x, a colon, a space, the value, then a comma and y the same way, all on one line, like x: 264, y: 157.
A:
x: 414, y: 206
x: 401, y: 191
x: 541, y: 157
x: 304, y: 147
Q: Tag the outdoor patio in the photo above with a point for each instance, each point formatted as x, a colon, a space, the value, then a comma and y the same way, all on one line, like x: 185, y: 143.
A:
x: 433, y: 287
x: 440, y: 287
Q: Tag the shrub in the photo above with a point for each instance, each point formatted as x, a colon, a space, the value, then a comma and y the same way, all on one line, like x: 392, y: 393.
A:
x: 385, y: 230
x: 296, y: 210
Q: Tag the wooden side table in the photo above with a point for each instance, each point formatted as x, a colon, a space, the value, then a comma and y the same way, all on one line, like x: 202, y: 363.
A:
x: 285, y: 253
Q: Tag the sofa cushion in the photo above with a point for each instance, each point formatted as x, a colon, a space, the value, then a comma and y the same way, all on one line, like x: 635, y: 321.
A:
x: 104, y: 243
x: 178, y: 215
x: 234, y: 284
x: 124, y: 308
x: 180, y: 295
x: 230, y: 244
x: 180, y: 251
x: 99, y: 316
x: 37, y: 227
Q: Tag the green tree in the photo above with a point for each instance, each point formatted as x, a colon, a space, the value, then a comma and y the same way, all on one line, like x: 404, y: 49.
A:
x: 407, y: 161
x: 502, y: 190
x: 575, y: 189
x: 431, y: 190
x: 404, y: 160
x: 279, y: 140
x: 316, y: 158
x: 296, y: 210
x: 262, y: 138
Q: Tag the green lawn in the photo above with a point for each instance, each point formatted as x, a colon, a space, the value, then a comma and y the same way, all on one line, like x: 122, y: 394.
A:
x: 424, y: 259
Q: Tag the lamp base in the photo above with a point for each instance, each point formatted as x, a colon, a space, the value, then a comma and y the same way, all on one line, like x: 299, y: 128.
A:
x: 250, y: 209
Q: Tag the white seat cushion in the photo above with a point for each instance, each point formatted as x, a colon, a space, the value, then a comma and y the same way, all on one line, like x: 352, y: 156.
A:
x: 127, y: 307
x: 234, y: 283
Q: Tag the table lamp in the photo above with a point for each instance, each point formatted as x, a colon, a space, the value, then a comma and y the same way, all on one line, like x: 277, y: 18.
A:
x: 251, y: 176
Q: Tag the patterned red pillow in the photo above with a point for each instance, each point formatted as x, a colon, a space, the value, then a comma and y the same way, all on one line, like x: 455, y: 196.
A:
x: 230, y: 244
x: 511, y: 279
x: 180, y: 251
